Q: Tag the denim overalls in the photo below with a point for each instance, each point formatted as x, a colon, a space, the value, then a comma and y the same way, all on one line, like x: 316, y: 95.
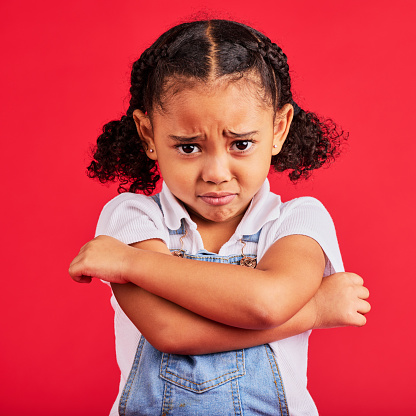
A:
x: 244, y: 382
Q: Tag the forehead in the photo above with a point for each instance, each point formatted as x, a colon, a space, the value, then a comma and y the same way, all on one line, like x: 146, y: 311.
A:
x: 243, y: 88
x: 218, y: 104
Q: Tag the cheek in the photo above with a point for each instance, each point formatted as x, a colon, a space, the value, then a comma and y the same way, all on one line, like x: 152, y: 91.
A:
x: 176, y: 175
x: 257, y: 169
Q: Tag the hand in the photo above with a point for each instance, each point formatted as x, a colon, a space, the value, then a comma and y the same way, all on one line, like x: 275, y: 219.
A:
x: 103, y: 257
x: 340, y: 301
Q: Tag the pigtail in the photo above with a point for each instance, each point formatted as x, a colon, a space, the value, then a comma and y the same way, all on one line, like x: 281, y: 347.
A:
x: 119, y: 154
x: 310, y: 144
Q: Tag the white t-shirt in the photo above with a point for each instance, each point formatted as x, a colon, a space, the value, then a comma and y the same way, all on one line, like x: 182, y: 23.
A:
x: 131, y: 218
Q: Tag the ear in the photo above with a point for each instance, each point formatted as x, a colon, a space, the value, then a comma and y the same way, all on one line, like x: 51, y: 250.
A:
x: 282, y: 124
x: 145, y: 130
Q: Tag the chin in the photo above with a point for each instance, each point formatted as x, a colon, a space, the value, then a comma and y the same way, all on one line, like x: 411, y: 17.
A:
x: 222, y: 216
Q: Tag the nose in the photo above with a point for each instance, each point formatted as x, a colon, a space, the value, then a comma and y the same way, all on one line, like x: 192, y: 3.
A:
x: 216, y: 169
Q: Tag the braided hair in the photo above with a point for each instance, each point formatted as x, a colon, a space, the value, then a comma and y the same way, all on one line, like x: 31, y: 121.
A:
x: 197, y: 51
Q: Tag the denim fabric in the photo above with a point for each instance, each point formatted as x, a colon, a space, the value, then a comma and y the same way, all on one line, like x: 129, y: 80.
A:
x: 236, y: 383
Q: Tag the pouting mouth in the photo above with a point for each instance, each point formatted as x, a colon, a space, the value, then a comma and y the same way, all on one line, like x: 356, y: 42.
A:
x: 217, y: 194
x: 217, y: 198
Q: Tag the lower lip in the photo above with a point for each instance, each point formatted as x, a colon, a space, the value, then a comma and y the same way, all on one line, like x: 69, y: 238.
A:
x: 218, y: 201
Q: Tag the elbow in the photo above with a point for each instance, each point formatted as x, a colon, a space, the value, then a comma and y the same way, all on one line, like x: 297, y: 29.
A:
x: 164, y: 345
x: 171, y: 342
x: 170, y: 346
x: 161, y: 340
x: 268, y: 311
x: 265, y: 317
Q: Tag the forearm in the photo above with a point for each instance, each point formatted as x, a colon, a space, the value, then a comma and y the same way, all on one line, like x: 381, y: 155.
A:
x: 286, y: 278
x: 171, y: 328
x: 339, y: 301
x: 236, y: 296
x: 205, y: 288
x: 165, y: 270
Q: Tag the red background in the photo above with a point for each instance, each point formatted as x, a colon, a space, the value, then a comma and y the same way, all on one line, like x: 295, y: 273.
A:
x: 65, y: 73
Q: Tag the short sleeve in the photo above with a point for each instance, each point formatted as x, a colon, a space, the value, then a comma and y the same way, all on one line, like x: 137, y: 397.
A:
x: 132, y: 218
x: 307, y: 216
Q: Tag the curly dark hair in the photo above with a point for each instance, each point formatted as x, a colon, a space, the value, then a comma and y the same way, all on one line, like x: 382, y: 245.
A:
x: 198, y: 50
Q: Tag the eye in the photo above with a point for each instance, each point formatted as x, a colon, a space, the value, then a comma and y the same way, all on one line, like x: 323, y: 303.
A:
x: 242, y: 145
x: 187, y: 148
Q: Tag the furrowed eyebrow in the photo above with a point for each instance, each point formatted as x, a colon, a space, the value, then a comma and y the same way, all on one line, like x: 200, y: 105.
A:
x: 184, y: 139
x: 242, y: 135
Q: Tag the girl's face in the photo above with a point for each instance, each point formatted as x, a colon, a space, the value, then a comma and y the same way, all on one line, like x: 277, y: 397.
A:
x: 214, y: 146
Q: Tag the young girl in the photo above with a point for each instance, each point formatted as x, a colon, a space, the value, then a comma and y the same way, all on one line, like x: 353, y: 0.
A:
x: 211, y: 108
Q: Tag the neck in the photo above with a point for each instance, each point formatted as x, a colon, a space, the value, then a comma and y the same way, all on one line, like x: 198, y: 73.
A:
x: 215, y: 234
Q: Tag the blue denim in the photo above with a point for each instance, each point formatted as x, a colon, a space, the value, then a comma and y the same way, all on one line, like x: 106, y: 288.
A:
x: 236, y: 383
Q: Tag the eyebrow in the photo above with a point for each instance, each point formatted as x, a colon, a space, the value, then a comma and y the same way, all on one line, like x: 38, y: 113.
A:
x: 186, y: 139
x: 242, y: 135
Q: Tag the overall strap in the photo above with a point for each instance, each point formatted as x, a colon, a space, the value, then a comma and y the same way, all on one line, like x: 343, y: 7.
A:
x: 156, y: 198
x: 181, y: 229
x: 253, y: 238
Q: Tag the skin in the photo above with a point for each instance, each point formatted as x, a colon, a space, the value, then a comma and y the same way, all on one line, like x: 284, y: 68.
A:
x: 179, y: 331
x: 214, y: 145
x: 206, y: 120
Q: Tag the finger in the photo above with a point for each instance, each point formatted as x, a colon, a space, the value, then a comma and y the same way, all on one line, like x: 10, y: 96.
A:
x: 361, y: 320
x: 363, y: 292
x: 72, y: 269
x: 363, y: 306
x: 76, y: 274
x: 76, y: 271
x: 356, y: 279
x: 82, y: 279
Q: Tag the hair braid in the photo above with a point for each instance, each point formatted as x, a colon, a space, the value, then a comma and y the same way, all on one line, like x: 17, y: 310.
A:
x: 278, y: 61
x: 311, y: 142
x: 140, y: 74
x: 119, y: 154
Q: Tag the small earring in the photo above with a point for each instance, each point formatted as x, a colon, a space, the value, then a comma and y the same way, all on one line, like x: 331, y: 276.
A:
x: 151, y: 150
x: 275, y: 145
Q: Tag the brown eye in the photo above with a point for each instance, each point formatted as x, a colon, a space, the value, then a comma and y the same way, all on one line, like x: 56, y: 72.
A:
x: 242, y: 145
x: 188, y: 148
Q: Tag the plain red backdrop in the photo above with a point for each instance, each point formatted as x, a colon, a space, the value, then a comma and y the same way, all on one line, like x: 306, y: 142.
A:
x: 65, y: 73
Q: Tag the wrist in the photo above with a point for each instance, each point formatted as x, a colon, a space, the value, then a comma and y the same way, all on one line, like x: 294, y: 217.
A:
x: 131, y: 264
x: 307, y: 318
x: 316, y: 321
